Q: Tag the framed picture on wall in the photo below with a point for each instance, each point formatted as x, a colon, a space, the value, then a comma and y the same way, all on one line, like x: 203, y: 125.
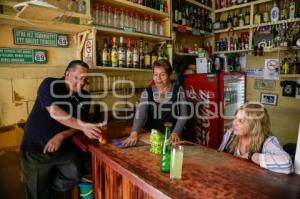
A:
x: 268, y: 98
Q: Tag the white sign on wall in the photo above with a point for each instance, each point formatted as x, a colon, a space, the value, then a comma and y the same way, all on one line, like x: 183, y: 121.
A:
x: 88, y: 52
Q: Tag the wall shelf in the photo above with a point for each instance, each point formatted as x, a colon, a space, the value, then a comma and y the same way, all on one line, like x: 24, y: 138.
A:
x: 230, y: 52
x: 289, y: 76
x: 277, y: 22
x: 235, y: 29
x: 136, y: 7
x: 109, y: 68
x: 120, y: 32
x: 241, y: 6
x: 43, y: 25
x: 190, y: 29
x: 186, y: 54
x: 199, y: 4
x: 48, y: 10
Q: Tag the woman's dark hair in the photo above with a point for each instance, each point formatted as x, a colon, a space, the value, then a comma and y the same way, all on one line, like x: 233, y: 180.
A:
x: 72, y: 65
x: 165, y: 64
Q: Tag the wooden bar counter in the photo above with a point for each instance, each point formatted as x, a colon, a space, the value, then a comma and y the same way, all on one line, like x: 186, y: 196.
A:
x: 135, y: 173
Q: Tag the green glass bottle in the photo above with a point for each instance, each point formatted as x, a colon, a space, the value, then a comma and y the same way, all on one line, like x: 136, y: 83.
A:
x: 166, y: 152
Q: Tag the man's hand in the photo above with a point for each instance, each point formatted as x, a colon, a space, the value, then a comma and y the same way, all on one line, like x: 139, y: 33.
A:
x: 174, y: 138
x: 54, y: 143
x: 131, y: 140
x: 92, y: 131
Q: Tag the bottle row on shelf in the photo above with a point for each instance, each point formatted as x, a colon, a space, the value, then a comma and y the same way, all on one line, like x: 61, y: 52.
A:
x: 104, y: 15
x: 284, y: 11
x: 191, y: 16
x: 290, y: 65
x: 161, y: 5
x: 233, y: 43
x: 134, y: 54
x: 264, y: 14
x: 219, y: 4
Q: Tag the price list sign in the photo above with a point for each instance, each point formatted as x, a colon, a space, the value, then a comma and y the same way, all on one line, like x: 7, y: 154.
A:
x: 23, y: 56
x: 27, y: 37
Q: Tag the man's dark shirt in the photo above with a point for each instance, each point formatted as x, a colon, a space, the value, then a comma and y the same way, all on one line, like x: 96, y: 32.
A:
x: 40, y: 127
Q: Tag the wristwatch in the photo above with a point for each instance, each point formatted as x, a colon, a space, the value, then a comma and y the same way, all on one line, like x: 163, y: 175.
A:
x: 250, y: 154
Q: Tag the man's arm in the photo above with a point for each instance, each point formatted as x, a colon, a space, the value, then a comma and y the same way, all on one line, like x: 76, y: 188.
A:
x: 55, y: 142
x: 89, y: 129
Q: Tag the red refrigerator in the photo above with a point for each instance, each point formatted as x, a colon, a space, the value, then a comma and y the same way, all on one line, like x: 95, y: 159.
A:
x: 215, y: 99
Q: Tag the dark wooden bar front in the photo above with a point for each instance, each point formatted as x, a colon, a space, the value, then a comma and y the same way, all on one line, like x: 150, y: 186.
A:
x: 134, y: 173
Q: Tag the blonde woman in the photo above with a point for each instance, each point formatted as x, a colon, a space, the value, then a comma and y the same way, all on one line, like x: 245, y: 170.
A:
x: 250, y: 138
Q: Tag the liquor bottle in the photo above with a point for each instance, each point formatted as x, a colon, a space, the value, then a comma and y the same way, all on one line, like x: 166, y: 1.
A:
x: 179, y: 19
x: 235, y: 44
x: 114, y: 53
x: 235, y: 20
x: 175, y: 11
x: 166, y: 151
x: 183, y: 20
x: 229, y: 21
x: 106, y: 54
x: 147, y: 59
x: 142, y: 56
x: 247, y: 17
x: 292, y: 9
x: 154, y: 56
x: 187, y: 19
x: 295, y: 65
x: 283, y: 11
x: 241, y: 20
x: 246, y: 43
x: 257, y: 17
x: 99, y: 55
x: 208, y: 23
x: 129, y: 54
x: 275, y: 12
x: 161, y: 5
x: 285, y: 66
x: 266, y: 15
x: 122, y: 53
x: 136, y: 56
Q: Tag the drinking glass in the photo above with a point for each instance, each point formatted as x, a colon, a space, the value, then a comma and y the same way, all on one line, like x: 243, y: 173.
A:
x: 176, y: 162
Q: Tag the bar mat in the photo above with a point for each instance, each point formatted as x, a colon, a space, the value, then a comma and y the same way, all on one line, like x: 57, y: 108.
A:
x: 118, y: 143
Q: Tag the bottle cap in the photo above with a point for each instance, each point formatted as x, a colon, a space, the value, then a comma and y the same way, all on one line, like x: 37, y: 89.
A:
x: 168, y: 124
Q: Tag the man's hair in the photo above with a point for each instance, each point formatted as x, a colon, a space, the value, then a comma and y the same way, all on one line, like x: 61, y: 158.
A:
x: 72, y: 65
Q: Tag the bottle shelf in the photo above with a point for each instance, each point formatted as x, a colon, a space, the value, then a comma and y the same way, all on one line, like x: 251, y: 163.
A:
x: 232, y: 51
x: 279, y: 49
x: 40, y: 12
x: 190, y: 29
x: 289, y: 76
x: 45, y: 25
x: 136, y: 7
x: 118, y: 69
x: 277, y: 22
x: 186, y: 54
x: 120, y: 32
x: 199, y: 4
x: 241, y: 6
x: 235, y: 29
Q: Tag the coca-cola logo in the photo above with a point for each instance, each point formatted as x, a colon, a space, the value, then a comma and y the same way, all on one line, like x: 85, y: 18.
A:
x: 201, y: 99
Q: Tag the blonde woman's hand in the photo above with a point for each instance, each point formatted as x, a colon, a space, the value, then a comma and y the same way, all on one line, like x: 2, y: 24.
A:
x: 131, y: 140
